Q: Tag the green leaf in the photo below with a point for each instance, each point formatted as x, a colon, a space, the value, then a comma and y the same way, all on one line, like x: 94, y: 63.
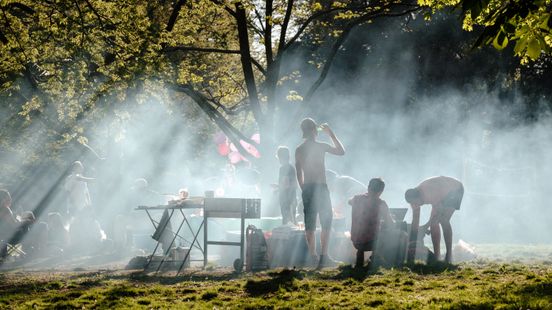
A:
x: 474, y: 7
x: 549, y: 22
x: 533, y: 49
x: 521, y: 45
x: 500, y: 41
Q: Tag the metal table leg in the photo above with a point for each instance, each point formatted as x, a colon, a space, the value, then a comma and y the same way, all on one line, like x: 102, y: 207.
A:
x: 205, y: 222
x: 189, y: 252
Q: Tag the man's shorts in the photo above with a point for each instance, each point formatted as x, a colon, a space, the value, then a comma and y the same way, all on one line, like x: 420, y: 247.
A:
x: 316, y: 200
x: 454, y: 199
x: 366, y: 246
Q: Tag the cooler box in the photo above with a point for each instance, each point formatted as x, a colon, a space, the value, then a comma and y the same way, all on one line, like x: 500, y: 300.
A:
x: 288, y: 247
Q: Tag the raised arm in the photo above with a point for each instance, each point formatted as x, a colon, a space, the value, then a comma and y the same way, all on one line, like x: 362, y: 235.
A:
x: 79, y: 177
x: 337, y: 147
x: 299, y: 168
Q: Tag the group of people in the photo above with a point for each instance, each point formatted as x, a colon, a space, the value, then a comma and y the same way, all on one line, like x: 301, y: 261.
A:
x: 77, y: 226
x: 369, y: 212
x: 12, y: 227
x: 74, y: 227
x: 23, y: 228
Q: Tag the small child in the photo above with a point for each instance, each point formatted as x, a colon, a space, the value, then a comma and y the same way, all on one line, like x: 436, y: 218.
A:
x: 369, y: 211
x: 287, y: 186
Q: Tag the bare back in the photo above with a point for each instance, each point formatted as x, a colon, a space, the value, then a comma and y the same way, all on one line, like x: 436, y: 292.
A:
x: 435, y: 189
x: 310, y: 161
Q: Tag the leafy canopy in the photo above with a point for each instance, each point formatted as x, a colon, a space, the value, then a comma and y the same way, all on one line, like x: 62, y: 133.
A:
x: 525, y: 23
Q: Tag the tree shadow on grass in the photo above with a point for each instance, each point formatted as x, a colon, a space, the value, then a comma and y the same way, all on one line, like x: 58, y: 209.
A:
x: 536, y: 294
x: 169, y: 279
x: 67, y: 261
x: 47, y: 285
x: 24, y: 287
x: 431, y: 268
x: 537, y: 289
x: 349, y: 272
x: 283, y: 279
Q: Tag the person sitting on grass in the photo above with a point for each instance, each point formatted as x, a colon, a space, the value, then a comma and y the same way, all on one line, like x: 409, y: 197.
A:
x: 369, y: 211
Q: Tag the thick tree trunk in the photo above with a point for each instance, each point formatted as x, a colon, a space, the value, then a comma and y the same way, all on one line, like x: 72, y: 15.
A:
x: 246, y: 62
x: 264, y: 122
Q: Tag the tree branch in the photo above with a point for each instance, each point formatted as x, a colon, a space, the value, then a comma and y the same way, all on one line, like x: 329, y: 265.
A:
x: 245, y: 53
x: 287, y: 17
x: 231, y: 132
x: 199, y: 49
x: 233, y: 110
x: 226, y: 8
x: 307, y: 23
x: 174, y: 15
x: 331, y: 56
x: 268, y: 32
x: 98, y: 16
x: 170, y: 49
x: 81, y: 22
x: 259, y: 66
x: 259, y: 17
x: 339, y: 42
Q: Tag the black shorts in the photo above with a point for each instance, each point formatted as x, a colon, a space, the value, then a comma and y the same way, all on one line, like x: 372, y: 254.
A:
x: 454, y: 199
x: 367, y: 246
x: 316, y: 200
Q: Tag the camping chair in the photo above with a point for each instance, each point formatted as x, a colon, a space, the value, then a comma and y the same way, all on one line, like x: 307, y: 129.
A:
x: 15, y: 250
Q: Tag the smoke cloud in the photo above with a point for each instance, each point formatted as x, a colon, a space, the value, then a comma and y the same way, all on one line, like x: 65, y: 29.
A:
x: 391, y: 126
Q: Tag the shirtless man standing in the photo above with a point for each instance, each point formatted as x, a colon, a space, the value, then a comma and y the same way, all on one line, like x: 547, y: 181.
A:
x: 445, y: 196
x: 311, y: 176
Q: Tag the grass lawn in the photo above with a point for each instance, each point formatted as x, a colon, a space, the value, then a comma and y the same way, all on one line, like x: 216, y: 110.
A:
x: 481, y: 284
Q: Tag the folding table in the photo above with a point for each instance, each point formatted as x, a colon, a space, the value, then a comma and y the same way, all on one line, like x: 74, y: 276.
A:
x: 161, y: 227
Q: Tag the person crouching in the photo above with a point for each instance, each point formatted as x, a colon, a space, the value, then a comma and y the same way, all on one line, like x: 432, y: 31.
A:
x: 369, y: 211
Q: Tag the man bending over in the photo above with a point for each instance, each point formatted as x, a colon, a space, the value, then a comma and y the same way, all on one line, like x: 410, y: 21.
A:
x: 445, y: 196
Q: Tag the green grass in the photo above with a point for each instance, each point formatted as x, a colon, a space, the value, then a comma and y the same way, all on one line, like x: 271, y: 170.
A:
x: 477, y: 285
